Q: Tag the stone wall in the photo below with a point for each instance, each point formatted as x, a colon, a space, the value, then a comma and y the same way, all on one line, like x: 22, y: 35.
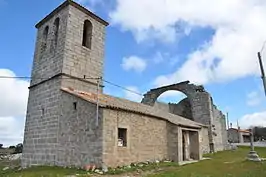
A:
x: 48, y: 62
x: 80, y: 61
x: 60, y: 63
x: 183, y: 108
x: 41, y: 127
x: 220, y: 136
x: 233, y: 136
x: 204, y: 141
x: 161, y: 106
x: 146, y: 138
x: 79, y: 137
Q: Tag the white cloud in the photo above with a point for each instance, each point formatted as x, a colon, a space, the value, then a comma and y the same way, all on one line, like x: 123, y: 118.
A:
x: 13, y: 103
x: 253, y: 98
x: 255, y: 119
x: 134, y: 63
x: 133, y: 94
x: 11, y: 130
x: 239, y: 32
x: 14, y: 95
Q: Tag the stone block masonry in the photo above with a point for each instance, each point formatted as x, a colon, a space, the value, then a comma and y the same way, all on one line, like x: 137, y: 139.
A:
x: 79, y: 138
x: 61, y: 118
x: 41, y: 128
x: 60, y: 60
x: 80, y: 61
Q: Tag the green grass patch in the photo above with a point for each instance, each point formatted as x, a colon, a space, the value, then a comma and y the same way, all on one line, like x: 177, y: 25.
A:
x: 222, y: 164
x: 145, y: 167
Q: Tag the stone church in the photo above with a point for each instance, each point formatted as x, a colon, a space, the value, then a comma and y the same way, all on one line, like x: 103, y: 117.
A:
x: 71, y: 122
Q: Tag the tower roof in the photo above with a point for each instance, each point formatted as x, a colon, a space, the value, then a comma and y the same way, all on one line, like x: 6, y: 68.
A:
x: 76, y: 5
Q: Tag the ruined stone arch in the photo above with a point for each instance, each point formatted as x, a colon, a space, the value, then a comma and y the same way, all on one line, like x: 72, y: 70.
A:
x: 185, y: 87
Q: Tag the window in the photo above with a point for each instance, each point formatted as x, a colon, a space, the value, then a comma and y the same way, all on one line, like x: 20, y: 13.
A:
x: 87, y: 34
x: 122, y: 137
x: 56, y: 30
x: 44, y: 38
x: 75, y: 105
x: 42, y: 112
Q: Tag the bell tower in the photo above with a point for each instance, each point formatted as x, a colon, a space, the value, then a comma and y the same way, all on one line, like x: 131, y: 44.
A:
x: 70, y: 45
x: 69, y: 52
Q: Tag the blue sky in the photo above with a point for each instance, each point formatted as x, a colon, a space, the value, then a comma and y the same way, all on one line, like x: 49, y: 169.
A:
x: 149, y: 46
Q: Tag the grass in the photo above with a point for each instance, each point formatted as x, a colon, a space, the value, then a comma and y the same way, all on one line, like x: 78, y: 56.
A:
x: 152, y: 166
x: 222, y: 164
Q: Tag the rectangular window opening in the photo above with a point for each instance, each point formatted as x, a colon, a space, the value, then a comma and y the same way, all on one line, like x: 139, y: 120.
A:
x: 75, y: 105
x: 42, y: 112
x: 122, y: 137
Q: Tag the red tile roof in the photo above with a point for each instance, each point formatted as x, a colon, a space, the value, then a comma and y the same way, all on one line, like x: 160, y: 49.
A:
x: 108, y: 101
x: 240, y: 130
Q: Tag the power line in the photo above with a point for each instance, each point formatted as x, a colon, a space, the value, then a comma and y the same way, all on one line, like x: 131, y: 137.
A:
x: 111, y: 83
x: 26, y: 77
x: 122, y: 87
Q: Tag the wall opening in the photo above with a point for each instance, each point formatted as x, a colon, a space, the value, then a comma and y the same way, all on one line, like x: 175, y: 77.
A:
x: 75, y: 106
x: 122, y: 137
x: 56, y: 31
x: 176, y: 103
x: 44, y: 39
x: 87, y: 34
x: 42, y: 112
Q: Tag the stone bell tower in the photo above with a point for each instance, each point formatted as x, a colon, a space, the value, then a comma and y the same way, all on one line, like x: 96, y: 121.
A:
x: 69, y: 52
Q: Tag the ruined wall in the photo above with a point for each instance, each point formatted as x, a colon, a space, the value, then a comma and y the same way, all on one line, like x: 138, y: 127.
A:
x: 219, y: 130
x: 147, y: 138
x: 233, y: 136
x: 79, y: 138
x: 183, y: 108
x: 161, y: 106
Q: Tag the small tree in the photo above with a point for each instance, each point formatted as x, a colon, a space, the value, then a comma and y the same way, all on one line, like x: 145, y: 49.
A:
x: 1, y: 146
x: 12, y: 147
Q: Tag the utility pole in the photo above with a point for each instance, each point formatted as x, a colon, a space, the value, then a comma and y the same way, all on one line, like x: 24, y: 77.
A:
x: 262, y: 72
x: 97, y: 104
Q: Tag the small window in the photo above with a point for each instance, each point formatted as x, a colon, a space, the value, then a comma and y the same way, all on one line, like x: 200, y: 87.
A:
x: 122, y: 137
x: 87, y: 34
x: 42, y: 112
x: 75, y: 105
